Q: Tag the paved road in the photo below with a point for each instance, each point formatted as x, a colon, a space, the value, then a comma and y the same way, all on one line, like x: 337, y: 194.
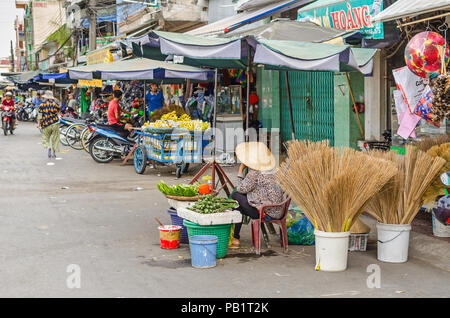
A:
x: 103, y: 225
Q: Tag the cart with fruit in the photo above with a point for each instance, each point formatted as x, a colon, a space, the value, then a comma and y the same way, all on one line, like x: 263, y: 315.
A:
x: 171, y: 140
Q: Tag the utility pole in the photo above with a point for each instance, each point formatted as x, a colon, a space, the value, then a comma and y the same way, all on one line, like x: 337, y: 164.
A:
x: 92, y: 25
x: 12, y: 58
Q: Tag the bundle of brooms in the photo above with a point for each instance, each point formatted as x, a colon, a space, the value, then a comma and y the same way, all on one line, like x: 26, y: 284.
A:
x: 332, y: 185
x: 402, y: 197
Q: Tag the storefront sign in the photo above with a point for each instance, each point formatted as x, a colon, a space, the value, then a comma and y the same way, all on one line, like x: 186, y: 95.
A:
x: 99, y: 57
x: 348, y: 15
x: 90, y: 83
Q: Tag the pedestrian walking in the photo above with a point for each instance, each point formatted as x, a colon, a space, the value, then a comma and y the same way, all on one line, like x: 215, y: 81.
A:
x: 48, y: 121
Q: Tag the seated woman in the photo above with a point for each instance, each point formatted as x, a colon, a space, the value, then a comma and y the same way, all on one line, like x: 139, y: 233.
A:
x: 258, y: 187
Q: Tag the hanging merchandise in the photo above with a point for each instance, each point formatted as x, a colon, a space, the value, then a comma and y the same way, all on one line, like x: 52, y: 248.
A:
x: 411, y: 86
x: 441, y: 97
x: 424, y: 107
x: 423, y: 54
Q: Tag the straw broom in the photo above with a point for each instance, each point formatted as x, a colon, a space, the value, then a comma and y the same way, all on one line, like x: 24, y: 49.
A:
x: 426, y: 143
x: 402, y: 197
x: 332, y: 185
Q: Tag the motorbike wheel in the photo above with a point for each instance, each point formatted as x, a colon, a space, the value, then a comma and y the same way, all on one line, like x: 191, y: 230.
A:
x: 85, y: 136
x: 179, y: 171
x: 101, y: 156
x: 11, y: 128
x: 73, y: 136
x: 140, y: 160
x: 5, y: 127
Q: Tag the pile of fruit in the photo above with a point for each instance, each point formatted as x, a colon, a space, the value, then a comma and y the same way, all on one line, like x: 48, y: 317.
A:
x: 194, y: 125
x: 159, y: 124
x: 212, y: 204
x: 181, y: 190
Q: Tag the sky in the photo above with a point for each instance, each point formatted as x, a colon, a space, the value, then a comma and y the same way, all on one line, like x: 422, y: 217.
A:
x: 8, y: 15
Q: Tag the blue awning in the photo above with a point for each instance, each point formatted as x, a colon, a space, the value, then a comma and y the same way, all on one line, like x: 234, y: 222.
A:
x: 55, y: 75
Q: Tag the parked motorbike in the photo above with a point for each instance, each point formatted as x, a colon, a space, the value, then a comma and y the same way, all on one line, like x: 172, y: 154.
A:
x: 380, y: 145
x: 105, y: 143
x: 7, y: 124
x: 20, y: 112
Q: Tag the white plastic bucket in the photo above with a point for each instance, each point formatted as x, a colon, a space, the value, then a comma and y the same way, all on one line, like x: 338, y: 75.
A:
x: 331, y: 250
x: 439, y: 229
x: 393, y: 242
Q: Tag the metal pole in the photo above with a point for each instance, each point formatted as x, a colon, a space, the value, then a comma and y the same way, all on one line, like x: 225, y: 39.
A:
x: 248, y: 94
x: 145, y: 99
x: 288, y: 89
x: 215, y: 116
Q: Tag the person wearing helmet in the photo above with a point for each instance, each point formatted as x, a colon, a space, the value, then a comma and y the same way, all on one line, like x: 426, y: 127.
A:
x: 7, y: 104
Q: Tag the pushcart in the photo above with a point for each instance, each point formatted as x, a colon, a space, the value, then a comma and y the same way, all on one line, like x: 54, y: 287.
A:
x: 180, y: 149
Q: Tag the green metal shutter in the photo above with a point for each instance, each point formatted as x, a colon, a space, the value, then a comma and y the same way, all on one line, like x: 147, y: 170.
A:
x: 312, y: 95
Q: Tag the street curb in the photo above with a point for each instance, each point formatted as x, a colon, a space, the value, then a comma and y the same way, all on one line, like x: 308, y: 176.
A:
x: 425, y: 248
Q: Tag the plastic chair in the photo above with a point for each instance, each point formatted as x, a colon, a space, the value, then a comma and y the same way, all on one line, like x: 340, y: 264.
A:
x: 256, y: 225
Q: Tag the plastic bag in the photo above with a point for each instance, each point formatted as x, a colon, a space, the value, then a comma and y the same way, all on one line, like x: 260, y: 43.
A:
x: 301, y: 232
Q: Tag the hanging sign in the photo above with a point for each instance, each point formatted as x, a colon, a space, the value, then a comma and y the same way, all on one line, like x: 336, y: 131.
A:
x: 99, y: 57
x: 90, y: 83
x: 347, y: 15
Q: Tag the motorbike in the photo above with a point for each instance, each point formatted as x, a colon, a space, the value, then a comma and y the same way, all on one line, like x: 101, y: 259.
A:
x: 20, y: 112
x: 379, y: 145
x: 7, y: 124
x: 105, y: 143
x: 27, y: 112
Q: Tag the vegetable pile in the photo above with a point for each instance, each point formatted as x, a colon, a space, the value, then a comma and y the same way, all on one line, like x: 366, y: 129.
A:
x: 182, y: 190
x: 211, y: 204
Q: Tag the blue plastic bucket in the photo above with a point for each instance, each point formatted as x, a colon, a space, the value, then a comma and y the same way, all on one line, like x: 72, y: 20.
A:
x: 203, y: 250
x: 176, y: 220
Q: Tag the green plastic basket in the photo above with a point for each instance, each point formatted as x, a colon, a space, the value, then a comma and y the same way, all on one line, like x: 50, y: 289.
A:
x: 222, y: 232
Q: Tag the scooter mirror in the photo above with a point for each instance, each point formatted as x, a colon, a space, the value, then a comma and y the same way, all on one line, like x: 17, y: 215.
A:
x: 445, y: 178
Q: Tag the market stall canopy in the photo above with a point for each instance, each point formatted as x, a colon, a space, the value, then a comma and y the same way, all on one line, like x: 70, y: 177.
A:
x: 291, y: 30
x: 24, y: 78
x: 410, y: 8
x: 139, y: 69
x: 204, y: 51
x: 241, y: 19
x: 307, y: 56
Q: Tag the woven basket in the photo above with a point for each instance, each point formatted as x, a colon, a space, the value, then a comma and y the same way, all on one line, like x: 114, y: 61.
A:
x: 180, y: 198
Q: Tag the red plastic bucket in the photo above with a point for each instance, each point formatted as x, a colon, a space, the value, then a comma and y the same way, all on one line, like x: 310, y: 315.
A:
x: 169, y: 236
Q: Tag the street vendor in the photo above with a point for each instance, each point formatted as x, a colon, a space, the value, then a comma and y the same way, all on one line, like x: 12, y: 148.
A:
x: 258, y: 187
x: 154, y: 99
x: 115, y: 114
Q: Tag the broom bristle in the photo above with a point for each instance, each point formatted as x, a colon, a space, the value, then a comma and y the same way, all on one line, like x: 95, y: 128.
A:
x: 402, y: 197
x: 331, y: 185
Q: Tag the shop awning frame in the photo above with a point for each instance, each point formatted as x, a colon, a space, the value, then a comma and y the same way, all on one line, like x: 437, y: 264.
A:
x: 139, y: 69
x: 410, y: 8
x: 241, y: 19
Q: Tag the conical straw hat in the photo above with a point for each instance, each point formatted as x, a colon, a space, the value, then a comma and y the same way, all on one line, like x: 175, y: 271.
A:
x: 359, y: 228
x: 256, y: 156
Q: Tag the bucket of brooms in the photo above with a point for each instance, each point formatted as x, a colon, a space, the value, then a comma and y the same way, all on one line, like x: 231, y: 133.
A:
x: 331, y: 186
x: 398, y: 203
